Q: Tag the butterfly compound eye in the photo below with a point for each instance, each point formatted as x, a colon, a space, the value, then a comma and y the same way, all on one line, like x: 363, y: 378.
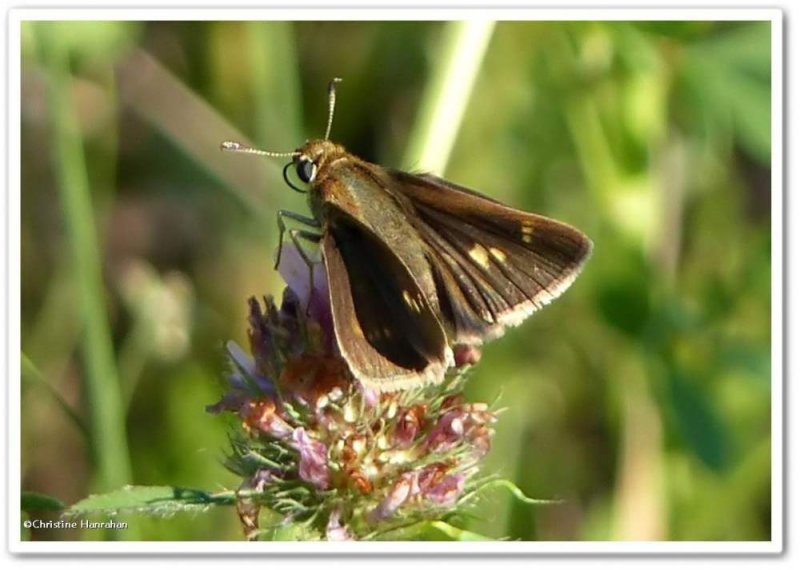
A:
x: 306, y: 170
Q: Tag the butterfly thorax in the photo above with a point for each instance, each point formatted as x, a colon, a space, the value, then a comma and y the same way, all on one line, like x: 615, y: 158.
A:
x: 353, y: 197
x: 322, y: 156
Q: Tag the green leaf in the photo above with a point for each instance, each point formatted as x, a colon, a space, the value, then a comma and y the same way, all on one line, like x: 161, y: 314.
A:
x: 40, y: 502
x: 289, y: 533
x: 753, y: 359
x: 159, y: 501
x: 698, y: 422
x: 441, y: 531
x: 729, y: 78
x: 623, y: 296
x: 512, y: 488
x: 431, y: 531
x: 746, y: 47
x: 91, y: 40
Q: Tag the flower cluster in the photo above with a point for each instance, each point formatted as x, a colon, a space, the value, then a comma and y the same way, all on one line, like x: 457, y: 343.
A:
x: 327, y: 454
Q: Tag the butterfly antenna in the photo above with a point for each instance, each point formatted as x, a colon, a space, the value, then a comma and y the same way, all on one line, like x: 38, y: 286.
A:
x: 331, y: 103
x: 232, y: 146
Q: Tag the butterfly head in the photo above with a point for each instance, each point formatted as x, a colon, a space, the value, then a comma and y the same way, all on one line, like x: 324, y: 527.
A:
x: 316, y: 154
x: 313, y: 157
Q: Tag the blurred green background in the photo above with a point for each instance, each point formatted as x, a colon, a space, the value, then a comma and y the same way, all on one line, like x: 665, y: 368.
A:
x: 641, y: 399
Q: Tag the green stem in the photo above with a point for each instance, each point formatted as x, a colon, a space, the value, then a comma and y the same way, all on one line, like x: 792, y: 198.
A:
x: 447, y: 94
x: 275, y: 83
x: 31, y: 373
x: 106, y: 417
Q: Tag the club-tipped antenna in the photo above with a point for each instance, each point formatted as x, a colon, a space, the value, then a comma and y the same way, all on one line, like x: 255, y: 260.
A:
x: 233, y: 146
x: 331, y: 103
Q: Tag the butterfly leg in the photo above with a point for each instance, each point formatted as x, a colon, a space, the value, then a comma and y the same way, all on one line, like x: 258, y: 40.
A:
x: 282, y: 227
x: 296, y: 235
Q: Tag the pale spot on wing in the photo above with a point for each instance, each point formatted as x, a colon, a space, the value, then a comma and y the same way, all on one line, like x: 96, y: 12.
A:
x: 498, y: 254
x: 356, y: 326
x: 379, y: 334
x: 413, y: 303
x: 479, y: 255
x: 527, y: 231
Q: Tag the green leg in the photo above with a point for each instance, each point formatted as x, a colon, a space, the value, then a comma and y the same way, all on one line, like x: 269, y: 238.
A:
x: 312, y: 222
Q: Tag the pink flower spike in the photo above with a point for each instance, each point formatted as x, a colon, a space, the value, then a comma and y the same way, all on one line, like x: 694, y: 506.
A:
x: 263, y: 415
x: 466, y: 355
x: 262, y: 479
x: 404, y: 489
x: 313, y: 459
x: 335, y: 531
x: 371, y: 396
x: 448, y: 431
x: 446, y: 492
x: 294, y: 270
x: 408, y: 426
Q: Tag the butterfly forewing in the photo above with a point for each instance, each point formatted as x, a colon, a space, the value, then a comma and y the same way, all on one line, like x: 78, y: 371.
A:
x: 494, y: 265
x: 387, y: 331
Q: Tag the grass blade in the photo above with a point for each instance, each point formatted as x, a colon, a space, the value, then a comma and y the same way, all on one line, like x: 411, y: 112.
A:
x: 447, y: 94
x: 108, y: 437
